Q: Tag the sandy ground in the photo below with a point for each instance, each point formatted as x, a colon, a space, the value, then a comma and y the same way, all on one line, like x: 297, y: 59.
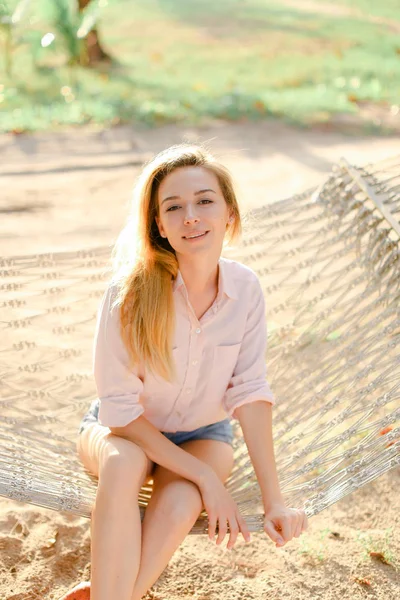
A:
x: 69, y: 190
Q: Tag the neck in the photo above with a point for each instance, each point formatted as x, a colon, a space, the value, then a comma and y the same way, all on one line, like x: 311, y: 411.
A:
x: 199, y: 276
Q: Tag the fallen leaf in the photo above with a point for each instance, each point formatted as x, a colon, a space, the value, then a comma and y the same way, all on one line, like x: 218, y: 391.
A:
x: 352, y: 98
x: 335, y: 534
x: 379, y: 556
x: 362, y: 581
x: 260, y: 106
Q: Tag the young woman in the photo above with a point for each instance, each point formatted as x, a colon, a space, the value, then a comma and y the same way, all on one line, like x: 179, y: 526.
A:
x: 179, y: 349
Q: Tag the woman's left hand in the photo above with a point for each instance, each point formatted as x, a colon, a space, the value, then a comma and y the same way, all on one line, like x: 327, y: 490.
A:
x: 282, y: 523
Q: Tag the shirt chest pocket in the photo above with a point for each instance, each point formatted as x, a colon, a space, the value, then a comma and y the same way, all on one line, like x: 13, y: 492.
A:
x: 223, y: 365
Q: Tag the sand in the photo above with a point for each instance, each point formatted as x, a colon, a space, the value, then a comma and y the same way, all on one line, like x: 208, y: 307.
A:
x: 80, y: 181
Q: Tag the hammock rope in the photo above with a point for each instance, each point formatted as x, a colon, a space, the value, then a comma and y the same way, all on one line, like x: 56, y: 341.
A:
x: 328, y: 261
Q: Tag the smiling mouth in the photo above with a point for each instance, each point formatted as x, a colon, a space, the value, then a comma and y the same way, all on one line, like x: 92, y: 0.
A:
x: 194, y: 237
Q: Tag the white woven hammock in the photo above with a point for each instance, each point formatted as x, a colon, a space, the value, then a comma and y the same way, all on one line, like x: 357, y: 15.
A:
x: 328, y: 260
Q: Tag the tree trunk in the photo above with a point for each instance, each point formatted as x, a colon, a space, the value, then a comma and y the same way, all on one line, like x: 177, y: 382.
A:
x: 93, y: 49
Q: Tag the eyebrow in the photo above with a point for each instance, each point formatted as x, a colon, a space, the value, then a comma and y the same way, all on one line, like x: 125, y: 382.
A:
x: 196, y: 194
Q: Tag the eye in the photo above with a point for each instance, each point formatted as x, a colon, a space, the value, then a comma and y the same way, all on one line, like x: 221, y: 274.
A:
x: 200, y: 201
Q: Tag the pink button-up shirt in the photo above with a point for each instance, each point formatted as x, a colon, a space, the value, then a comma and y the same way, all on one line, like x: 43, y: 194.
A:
x: 220, y: 359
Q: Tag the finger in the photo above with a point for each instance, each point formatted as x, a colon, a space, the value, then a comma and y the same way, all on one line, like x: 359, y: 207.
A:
x: 279, y: 532
x: 301, y: 523
x: 304, y: 525
x: 298, y: 525
x: 293, y: 521
x: 272, y: 532
x: 222, y: 530
x: 286, y: 528
x: 211, y: 527
x: 233, y: 532
x: 243, y: 527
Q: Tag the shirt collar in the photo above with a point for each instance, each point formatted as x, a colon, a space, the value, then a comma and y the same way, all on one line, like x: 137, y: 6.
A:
x: 226, y: 284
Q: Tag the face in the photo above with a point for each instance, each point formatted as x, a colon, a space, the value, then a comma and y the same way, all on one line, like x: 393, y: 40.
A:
x: 191, y: 202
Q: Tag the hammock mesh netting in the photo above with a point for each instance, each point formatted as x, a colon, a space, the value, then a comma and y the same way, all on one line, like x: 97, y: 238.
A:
x: 328, y: 261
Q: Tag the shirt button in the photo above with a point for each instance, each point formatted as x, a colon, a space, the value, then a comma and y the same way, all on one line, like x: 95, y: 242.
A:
x: 194, y: 362
x: 198, y: 330
x: 188, y: 390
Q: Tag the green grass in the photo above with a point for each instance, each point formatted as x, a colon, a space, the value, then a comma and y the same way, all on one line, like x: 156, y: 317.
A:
x: 184, y: 61
x: 380, y: 545
x: 389, y: 9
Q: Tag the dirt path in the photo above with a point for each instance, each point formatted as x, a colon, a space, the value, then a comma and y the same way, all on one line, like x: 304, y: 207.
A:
x: 81, y: 181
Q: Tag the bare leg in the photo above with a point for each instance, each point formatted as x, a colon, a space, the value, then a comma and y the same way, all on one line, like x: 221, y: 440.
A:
x: 173, y: 509
x: 115, y: 546
x: 122, y: 468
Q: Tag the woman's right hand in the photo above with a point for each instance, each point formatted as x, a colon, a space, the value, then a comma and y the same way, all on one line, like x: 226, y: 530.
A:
x: 221, y: 508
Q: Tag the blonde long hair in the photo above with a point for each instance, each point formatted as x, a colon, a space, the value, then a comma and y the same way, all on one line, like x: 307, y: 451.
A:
x: 145, y: 264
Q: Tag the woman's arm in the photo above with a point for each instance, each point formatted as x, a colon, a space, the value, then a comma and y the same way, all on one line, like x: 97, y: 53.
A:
x: 219, y: 504
x: 256, y: 422
x: 280, y: 522
x: 162, y: 451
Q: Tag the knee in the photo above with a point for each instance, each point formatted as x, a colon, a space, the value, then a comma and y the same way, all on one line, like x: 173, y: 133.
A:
x: 182, y: 503
x: 123, y: 468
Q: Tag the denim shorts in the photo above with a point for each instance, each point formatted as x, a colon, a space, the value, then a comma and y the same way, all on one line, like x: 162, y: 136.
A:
x: 221, y: 431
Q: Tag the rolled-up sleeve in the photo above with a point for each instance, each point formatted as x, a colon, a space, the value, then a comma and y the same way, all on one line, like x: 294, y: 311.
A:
x: 118, y: 386
x: 249, y: 380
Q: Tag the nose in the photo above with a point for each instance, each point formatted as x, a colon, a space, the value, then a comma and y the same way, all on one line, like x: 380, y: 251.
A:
x: 190, y: 216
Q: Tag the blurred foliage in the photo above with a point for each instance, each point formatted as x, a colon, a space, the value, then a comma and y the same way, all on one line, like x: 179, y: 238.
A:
x: 9, y: 21
x: 184, y: 61
x: 66, y: 23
